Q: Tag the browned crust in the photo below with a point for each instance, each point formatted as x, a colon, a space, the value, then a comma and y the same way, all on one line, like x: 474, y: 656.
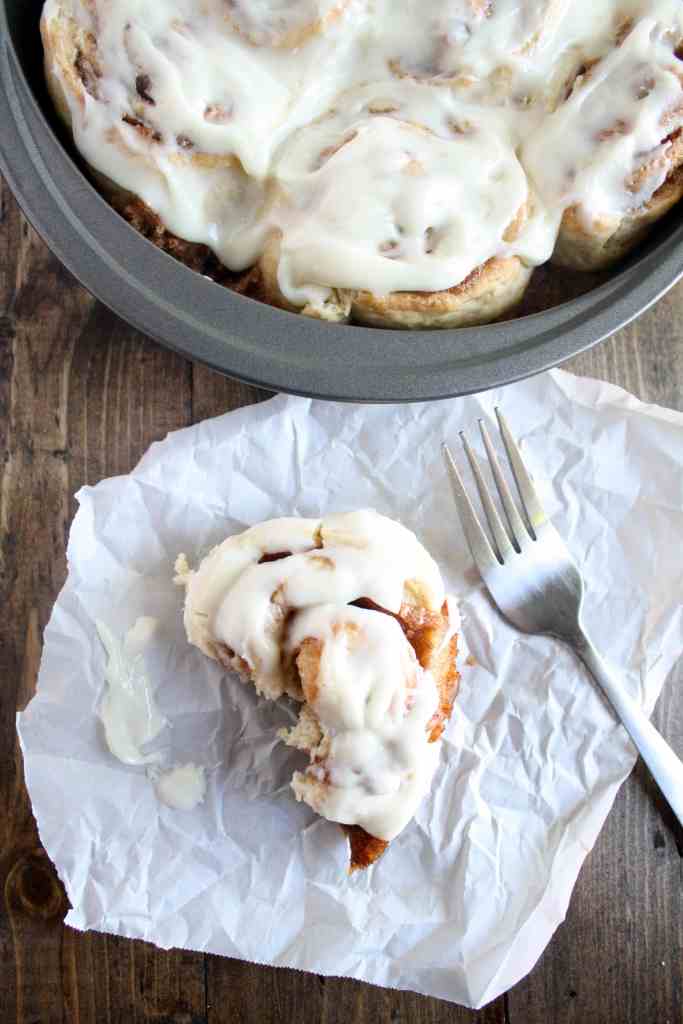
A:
x: 445, y: 671
x: 195, y: 255
x: 308, y: 664
x: 364, y: 849
x: 490, y: 291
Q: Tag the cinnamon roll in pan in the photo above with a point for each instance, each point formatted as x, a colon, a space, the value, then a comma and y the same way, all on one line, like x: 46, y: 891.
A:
x: 347, y: 615
x: 71, y: 72
x: 617, y: 136
x: 603, y: 243
x: 137, y: 155
x: 445, y: 200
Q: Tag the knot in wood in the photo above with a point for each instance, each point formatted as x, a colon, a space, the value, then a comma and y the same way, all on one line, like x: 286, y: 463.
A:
x: 33, y: 887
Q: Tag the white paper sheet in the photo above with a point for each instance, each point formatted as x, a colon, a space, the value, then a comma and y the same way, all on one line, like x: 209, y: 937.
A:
x: 464, y: 901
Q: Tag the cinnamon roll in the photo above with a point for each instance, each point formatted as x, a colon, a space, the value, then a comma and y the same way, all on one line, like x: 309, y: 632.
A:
x: 348, y: 616
x: 443, y: 223
x: 617, y: 145
x: 171, y: 105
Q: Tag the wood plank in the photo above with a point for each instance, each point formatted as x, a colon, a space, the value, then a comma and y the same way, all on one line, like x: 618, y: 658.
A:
x: 125, y: 392
x: 33, y: 509
x: 645, y: 358
x: 33, y: 910
x: 245, y: 992
x: 111, y: 980
x: 213, y: 394
x: 619, y: 955
x: 81, y: 397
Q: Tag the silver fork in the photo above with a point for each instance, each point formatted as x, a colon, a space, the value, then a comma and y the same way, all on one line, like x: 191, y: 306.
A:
x: 537, y: 586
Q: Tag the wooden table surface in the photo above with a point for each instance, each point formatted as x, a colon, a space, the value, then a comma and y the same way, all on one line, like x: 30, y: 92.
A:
x: 82, y: 395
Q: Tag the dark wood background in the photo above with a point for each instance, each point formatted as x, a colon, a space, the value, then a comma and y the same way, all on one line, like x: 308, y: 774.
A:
x: 82, y: 395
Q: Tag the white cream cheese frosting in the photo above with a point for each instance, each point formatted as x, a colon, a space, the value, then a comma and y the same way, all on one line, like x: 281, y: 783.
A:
x: 391, y: 146
x: 132, y: 720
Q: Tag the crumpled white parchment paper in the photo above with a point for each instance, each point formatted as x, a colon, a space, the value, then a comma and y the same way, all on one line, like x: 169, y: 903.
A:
x: 464, y: 901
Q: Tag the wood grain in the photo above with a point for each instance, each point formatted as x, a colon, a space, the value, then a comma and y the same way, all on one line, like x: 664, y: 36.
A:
x: 619, y: 955
x: 82, y: 395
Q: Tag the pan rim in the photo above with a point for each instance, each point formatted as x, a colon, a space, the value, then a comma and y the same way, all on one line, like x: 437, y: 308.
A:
x: 243, y: 338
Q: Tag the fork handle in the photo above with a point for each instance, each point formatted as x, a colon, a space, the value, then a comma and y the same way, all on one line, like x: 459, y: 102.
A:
x: 665, y: 766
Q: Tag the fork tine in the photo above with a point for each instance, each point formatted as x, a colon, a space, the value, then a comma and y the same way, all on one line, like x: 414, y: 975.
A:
x: 527, y: 492
x: 501, y: 540
x: 481, y: 550
x: 518, y: 530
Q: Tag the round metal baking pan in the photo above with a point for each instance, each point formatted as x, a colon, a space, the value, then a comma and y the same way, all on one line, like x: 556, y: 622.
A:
x: 254, y: 342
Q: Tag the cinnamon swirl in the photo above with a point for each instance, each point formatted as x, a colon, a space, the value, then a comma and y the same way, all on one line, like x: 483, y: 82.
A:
x: 468, y: 41
x: 281, y: 23
x: 348, y: 616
